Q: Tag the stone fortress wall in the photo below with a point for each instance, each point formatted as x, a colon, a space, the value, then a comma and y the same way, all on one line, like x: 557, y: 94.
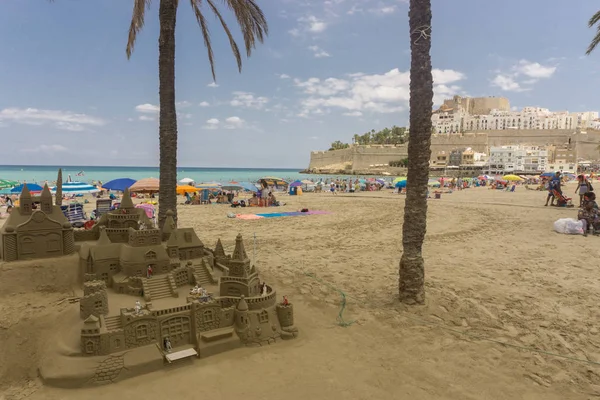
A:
x: 361, y: 157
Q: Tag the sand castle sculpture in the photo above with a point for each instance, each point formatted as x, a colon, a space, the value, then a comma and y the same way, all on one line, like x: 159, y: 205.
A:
x: 36, y: 229
x: 181, y: 298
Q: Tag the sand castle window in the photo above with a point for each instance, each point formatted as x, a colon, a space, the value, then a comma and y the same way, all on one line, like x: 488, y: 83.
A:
x: 141, y: 332
x: 53, y: 245
x: 263, y: 316
x: 150, y: 255
x: 233, y: 291
x: 117, y: 343
x: 208, y: 316
x: 27, y: 246
x: 154, y: 240
x: 98, y: 304
x: 113, y: 267
x: 89, y: 347
x: 105, y: 277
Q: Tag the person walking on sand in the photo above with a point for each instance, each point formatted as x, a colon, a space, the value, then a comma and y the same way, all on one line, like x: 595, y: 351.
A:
x: 583, y: 186
x: 332, y: 188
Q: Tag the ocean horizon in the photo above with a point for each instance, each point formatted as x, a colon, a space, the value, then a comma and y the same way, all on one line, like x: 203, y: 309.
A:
x: 89, y: 174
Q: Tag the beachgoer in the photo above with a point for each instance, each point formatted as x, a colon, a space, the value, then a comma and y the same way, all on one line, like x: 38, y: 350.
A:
x: 583, y: 187
x: 589, y: 216
x: 332, y: 188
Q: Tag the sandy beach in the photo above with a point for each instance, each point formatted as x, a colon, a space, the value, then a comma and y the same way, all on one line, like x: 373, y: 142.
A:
x: 496, y: 272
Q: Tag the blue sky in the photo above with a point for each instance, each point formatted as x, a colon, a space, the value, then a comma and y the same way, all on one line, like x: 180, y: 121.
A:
x: 329, y: 69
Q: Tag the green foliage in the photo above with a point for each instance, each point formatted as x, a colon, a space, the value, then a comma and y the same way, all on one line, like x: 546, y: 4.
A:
x: 401, y: 163
x: 393, y: 135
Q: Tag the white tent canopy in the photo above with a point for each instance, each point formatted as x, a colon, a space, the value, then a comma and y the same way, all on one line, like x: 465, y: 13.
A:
x: 187, y: 181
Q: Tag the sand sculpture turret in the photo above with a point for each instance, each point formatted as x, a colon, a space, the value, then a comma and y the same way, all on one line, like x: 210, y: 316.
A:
x: 36, y: 229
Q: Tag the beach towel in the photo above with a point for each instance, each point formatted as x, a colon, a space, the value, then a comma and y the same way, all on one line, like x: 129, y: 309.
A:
x: 281, y: 214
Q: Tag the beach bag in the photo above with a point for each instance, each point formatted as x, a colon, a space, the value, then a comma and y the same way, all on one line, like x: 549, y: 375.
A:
x: 590, y: 187
x: 569, y: 226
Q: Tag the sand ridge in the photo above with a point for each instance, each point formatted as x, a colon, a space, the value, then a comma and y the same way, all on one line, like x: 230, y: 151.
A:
x: 494, y: 269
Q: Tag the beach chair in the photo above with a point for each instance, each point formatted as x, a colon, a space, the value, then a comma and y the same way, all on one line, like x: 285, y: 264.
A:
x: 562, y: 200
x: 103, y: 206
x: 75, y: 214
x: 205, y: 197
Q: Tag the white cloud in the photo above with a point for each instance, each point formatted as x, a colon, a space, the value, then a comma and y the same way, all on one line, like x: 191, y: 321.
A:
x: 507, y: 83
x: 284, y: 76
x: 213, y: 85
x: 248, y: 100
x: 147, y: 108
x: 534, y: 70
x: 384, y: 10
x: 183, y: 104
x: 380, y: 93
x: 308, y: 25
x: 145, y: 118
x: 353, y: 114
x: 65, y: 120
x: 212, y: 123
x: 318, y: 52
x: 522, y: 76
x: 204, y: 104
x: 229, y: 123
x: 47, y: 148
x: 234, y: 123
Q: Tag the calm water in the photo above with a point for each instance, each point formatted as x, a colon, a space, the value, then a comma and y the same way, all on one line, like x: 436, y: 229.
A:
x: 40, y: 174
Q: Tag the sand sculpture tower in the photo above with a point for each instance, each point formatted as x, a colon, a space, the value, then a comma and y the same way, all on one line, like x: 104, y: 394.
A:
x: 95, y: 299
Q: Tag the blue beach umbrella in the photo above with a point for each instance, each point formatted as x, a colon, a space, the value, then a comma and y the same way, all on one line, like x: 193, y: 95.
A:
x: 250, y: 187
x: 119, y: 184
x: 33, y: 187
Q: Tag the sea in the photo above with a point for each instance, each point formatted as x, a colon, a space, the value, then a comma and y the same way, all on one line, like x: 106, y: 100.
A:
x: 92, y: 174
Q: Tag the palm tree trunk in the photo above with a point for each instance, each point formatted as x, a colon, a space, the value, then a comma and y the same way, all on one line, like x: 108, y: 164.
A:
x: 412, y: 266
x: 168, y: 114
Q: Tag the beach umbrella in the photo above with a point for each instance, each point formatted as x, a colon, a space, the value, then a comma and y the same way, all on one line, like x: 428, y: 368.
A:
x: 187, y: 181
x: 119, y: 184
x: 33, y: 187
x: 7, y: 183
x: 145, y: 185
x: 512, y: 178
x: 273, y: 180
x: 399, y: 179
x: 548, y: 174
x: 5, y: 191
x: 248, y: 186
x: 433, y: 183
x: 181, y: 189
x: 209, y: 185
x: 295, y: 184
x: 76, y: 188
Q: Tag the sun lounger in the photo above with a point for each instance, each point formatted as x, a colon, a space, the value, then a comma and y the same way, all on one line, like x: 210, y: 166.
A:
x: 75, y: 214
x: 103, y: 206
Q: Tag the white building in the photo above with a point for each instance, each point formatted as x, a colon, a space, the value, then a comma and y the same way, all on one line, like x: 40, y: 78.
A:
x: 586, y: 119
x: 517, y: 159
x: 528, y: 118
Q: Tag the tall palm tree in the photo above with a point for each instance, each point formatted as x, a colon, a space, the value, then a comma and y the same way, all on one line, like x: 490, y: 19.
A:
x: 412, y: 266
x: 596, y: 40
x: 254, y: 28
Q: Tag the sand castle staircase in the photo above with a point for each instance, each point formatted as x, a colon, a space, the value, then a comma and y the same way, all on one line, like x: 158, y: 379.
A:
x: 158, y: 287
x: 202, y: 275
x: 113, y: 323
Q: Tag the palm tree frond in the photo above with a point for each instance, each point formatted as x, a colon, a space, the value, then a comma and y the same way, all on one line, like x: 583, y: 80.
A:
x: 196, y: 4
x: 594, y: 43
x: 252, y: 21
x: 234, y: 46
x: 137, y: 23
x: 594, y: 20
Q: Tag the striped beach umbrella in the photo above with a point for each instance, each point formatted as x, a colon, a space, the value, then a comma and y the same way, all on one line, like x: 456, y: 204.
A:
x: 77, y: 188
x: 7, y: 183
